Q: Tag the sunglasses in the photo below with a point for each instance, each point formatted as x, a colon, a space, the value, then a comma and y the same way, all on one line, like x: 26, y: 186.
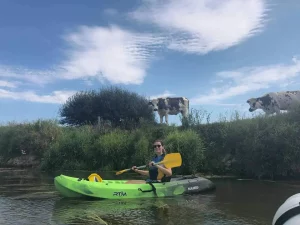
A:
x: 154, y: 146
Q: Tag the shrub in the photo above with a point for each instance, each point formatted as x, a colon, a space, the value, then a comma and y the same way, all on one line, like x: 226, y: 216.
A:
x: 191, y: 147
x: 33, y: 138
x: 70, y: 149
x: 270, y: 148
x: 194, y: 118
x: 214, y: 137
x: 115, y: 148
x: 121, y: 107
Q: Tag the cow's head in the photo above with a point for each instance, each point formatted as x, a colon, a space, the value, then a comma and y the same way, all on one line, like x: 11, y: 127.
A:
x: 254, y: 103
x: 153, y: 104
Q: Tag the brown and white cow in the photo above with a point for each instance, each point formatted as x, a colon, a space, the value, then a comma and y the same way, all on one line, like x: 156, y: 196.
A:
x: 273, y: 102
x: 166, y: 106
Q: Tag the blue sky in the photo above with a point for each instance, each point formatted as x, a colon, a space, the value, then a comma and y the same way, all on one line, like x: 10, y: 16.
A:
x: 217, y: 53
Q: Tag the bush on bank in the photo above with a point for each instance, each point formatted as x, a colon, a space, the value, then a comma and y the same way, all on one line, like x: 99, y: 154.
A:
x: 31, y: 138
x: 85, y: 148
x: 260, y: 147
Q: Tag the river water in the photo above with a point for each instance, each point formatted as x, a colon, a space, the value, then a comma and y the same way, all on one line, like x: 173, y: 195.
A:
x: 29, y: 197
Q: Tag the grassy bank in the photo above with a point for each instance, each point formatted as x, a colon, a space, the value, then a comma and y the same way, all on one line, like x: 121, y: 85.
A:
x: 257, y: 148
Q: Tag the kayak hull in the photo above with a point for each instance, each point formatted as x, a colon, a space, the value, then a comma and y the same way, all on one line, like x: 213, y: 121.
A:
x: 73, y: 187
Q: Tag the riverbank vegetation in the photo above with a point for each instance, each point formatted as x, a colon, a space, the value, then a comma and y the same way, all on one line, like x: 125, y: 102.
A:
x: 260, y: 147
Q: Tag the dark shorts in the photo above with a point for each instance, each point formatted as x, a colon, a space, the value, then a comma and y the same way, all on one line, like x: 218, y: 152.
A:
x: 164, y: 179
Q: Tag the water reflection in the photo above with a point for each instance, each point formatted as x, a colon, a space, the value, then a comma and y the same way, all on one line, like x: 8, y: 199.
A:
x: 29, y: 197
x: 134, y: 211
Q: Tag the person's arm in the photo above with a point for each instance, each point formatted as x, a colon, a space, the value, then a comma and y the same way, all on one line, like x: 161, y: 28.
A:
x: 142, y: 172
x: 167, y: 171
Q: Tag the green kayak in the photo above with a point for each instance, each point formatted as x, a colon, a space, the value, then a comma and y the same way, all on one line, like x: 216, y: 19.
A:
x: 117, y: 189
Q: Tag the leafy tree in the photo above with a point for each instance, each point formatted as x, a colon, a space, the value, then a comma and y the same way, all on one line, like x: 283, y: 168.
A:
x: 115, y: 104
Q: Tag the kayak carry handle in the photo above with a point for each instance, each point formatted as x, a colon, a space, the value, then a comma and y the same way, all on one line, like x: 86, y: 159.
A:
x: 153, y: 189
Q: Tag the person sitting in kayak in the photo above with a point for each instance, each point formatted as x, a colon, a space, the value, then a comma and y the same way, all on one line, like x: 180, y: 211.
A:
x: 156, y: 173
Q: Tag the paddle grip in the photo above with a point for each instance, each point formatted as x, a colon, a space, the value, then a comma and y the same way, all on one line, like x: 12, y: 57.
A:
x: 144, y: 166
x: 141, y: 167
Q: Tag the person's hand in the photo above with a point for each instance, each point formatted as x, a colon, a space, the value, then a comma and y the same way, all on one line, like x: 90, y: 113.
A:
x: 134, y: 168
x: 151, y: 163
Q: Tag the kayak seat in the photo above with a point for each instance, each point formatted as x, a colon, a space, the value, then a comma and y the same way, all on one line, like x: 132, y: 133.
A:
x: 166, y: 179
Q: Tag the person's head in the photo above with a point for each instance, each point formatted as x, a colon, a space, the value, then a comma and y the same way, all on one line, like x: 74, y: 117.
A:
x: 158, y: 146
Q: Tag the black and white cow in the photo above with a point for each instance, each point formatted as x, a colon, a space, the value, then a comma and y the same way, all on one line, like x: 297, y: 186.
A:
x: 273, y: 102
x: 170, y: 106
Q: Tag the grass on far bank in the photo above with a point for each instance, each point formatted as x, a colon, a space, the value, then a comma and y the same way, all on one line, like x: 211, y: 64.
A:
x: 260, y: 147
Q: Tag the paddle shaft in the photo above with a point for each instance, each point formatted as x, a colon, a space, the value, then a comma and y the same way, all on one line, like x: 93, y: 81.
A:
x: 144, y: 166
x: 171, y: 160
x: 140, y: 167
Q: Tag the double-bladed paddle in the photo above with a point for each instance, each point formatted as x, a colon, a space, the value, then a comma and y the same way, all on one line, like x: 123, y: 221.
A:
x: 170, y: 160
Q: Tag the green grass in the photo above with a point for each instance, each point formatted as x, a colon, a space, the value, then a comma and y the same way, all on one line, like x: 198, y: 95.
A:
x: 260, y: 147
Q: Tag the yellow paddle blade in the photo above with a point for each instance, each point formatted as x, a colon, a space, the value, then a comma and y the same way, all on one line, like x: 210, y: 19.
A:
x: 160, y: 175
x: 172, y: 160
x: 120, y: 172
x: 94, y: 177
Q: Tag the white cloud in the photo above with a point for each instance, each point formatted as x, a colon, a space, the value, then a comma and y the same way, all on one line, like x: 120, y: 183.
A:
x: 8, y: 84
x: 122, y: 56
x: 250, y: 79
x: 107, y: 54
x: 57, y: 97
x: 201, y: 26
x: 111, y: 54
x: 39, y: 77
x: 164, y: 94
x: 287, y: 83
